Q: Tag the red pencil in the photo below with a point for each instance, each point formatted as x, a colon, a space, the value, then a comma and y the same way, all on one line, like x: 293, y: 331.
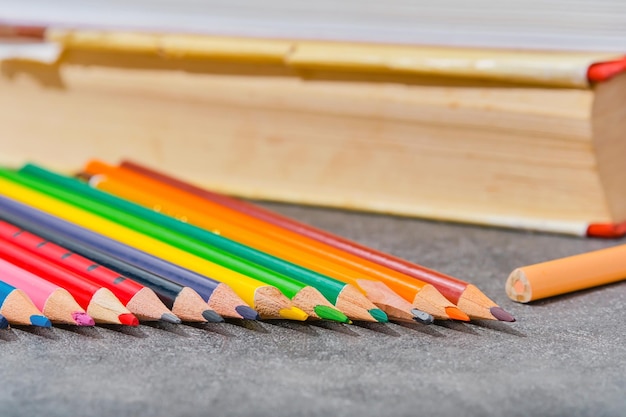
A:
x: 140, y: 300
x: 465, y: 295
x: 100, y: 303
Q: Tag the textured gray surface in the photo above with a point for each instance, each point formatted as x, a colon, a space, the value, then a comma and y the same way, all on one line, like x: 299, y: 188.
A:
x: 564, y: 357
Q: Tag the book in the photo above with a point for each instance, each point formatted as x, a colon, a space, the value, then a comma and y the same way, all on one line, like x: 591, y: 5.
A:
x: 587, y: 25
x: 524, y: 139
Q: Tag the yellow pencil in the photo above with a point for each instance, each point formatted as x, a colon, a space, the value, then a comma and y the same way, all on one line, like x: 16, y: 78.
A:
x: 266, y: 299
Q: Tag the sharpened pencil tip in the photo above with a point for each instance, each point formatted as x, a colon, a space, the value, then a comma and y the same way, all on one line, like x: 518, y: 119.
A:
x: 293, y: 313
x: 422, y: 316
x: 40, y: 321
x: 170, y: 318
x: 128, y: 319
x: 247, y: 313
x: 4, y: 323
x: 83, y: 319
x: 501, y: 314
x: 212, y: 317
x: 330, y: 313
x: 455, y: 314
x: 379, y: 315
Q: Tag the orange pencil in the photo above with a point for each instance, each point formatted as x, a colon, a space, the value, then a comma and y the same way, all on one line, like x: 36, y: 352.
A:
x: 269, y: 238
x: 564, y: 275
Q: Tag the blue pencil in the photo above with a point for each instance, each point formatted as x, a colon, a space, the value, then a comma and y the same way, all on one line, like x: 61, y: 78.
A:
x: 18, y: 309
x: 4, y: 323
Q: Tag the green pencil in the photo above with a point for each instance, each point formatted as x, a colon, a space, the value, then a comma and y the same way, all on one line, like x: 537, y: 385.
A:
x: 81, y: 195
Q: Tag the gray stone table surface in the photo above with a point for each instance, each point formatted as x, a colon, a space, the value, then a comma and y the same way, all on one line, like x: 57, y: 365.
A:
x: 564, y: 357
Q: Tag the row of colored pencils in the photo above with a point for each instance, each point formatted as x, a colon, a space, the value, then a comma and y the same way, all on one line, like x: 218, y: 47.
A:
x: 123, y: 244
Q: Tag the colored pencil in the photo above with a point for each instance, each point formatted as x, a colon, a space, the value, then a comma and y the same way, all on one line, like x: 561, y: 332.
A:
x: 18, y: 309
x: 181, y: 290
x: 396, y: 307
x: 564, y: 275
x: 201, y: 213
x: 98, y: 302
x: 4, y: 323
x: 53, y: 301
x: 139, y: 300
x: 267, y: 300
x: 465, y: 295
x: 167, y: 229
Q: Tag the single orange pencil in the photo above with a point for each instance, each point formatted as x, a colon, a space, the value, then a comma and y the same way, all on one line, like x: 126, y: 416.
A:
x: 271, y: 239
x: 564, y: 275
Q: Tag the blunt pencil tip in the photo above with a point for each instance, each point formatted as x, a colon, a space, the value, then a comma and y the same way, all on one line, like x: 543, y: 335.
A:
x: 293, y: 313
x: 330, y: 313
x: 212, y: 317
x: 170, y: 318
x: 379, y: 315
x: 128, y: 319
x: 422, y: 316
x: 501, y: 314
x: 40, y: 321
x: 83, y: 319
x: 247, y: 312
x: 455, y: 314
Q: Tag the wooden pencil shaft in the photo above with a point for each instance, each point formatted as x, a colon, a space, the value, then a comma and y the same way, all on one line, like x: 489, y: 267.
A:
x: 450, y: 287
x: 573, y: 273
x: 287, y: 285
x: 273, y: 263
x: 103, y: 250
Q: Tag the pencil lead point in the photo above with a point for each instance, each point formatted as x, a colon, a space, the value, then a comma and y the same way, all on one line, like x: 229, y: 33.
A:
x: 330, y: 313
x: 422, y: 316
x: 379, y: 315
x: 456, y: 314
x: 128, y: 319
x: 501, y: 314
x: 247, y: 312
x: 83, y: 319
x: 293, y: 313
x: 212, y: 317
x: 40, y: 321
x: 170, y: 318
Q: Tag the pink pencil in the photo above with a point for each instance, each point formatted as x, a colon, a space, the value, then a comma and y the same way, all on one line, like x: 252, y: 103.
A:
x: 55, y: 302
